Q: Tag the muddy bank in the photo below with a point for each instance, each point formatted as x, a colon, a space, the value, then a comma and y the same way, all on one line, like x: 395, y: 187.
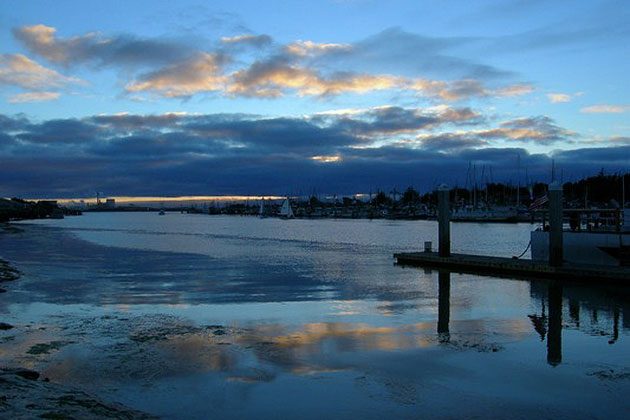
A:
x: 22, y: 396
x: 7, y: 273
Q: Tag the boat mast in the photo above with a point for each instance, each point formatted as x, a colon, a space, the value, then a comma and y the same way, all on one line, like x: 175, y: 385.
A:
x: 623, y: 191
x: 585, y: 196
x: 518, y: 180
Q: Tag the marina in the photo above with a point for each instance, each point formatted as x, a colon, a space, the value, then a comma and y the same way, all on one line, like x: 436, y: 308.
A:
x: 315, y: 210
x: 556, y: 254
x: 513, y: 267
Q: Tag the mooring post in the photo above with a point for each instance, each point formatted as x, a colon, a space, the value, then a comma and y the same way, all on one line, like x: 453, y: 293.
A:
x: 444, y: 221
x: 555, y: 224
x: 444, y: 304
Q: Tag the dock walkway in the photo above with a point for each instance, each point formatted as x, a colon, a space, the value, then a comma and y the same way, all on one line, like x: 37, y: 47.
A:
x: 480, y: 264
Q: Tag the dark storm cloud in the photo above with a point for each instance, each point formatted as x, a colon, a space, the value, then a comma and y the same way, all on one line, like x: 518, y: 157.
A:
x: 58, y: 131
x: 136, y: 122
x: 239, y: 154
x: 386, y: 121
x: 273, y: 133
x: 8, y: 124
x: 602, y: 156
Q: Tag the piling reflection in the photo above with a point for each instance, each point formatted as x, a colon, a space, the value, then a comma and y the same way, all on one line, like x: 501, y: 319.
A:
x: 554, y: 338
x: 596, y: 312
x: 615, y: 335
x: 444, y: 305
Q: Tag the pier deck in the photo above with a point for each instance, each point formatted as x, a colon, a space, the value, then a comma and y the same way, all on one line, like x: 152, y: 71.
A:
x: 480, y: 264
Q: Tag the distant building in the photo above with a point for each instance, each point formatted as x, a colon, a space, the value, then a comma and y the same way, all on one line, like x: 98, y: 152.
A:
x: 110, y: 203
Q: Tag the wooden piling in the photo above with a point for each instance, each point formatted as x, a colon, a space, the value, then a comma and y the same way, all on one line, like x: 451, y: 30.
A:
x: 444, y: 221
x: 555, y: 225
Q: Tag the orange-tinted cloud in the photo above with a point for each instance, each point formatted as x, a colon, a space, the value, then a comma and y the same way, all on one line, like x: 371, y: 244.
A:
x: 605, y: 109
x: 202, y: 73
x: 273, y: 79
x: 463, y: 89
x: 540, y: 129
x: 19, y: 70
x: 33, y: 97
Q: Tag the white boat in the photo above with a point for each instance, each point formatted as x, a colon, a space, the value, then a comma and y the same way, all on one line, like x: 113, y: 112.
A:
x: 592, y: 240
x: 286, y: 212
x: 261, y: 211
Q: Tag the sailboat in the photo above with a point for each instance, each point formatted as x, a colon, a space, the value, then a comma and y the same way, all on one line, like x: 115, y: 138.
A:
x: 286, y: 212
x: 261, y: 211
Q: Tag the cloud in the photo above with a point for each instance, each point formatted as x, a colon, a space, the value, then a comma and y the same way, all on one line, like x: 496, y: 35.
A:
x: 464, y: 89
x: 19, y: 70
x: 33, y: 97
x: 518, y: 89
x: 610, y: 158
x: 310, y: 48
x: 620, y: 140
x: 327, y: 159
x: 540, y: 129
x: 182, y: 154
x: 393, y: 120
x: 58, y: 132
x: 135, y: 122
x: 201, y: 73
x: 257, y: 41
x: 94, y: 48
x: 178, y: 68
x: 271, y: 78
x: 605, y: 109
x: 395, y: 50
x: 558, y: 97
x: 563, y: 97
x: 448, y: 142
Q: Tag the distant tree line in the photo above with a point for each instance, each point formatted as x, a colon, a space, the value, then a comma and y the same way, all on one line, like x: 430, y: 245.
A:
x: 599, y: 189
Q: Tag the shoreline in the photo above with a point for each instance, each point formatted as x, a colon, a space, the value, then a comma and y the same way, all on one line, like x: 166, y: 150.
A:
x: 25, y: 394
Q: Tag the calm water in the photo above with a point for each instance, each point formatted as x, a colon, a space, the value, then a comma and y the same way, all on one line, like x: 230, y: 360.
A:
x: 196, y: 316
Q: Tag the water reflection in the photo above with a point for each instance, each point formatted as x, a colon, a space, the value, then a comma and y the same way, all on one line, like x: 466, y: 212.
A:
x: 444, y: 305
x: 554, y: 338
x: 603, y: 306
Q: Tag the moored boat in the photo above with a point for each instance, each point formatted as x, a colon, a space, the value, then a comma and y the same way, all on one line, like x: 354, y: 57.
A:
x: 595, y: 236
x: 286, y: 212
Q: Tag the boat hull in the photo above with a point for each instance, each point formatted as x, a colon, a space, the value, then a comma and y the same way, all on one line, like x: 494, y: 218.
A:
x: 601, y: 248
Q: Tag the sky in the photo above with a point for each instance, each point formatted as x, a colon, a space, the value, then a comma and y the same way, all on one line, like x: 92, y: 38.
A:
x: 164, y: 98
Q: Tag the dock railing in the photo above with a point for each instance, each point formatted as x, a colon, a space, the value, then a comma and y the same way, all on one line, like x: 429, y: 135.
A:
x: 585, y: 220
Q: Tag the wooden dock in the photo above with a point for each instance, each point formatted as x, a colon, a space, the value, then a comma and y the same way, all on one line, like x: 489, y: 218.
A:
x: 480, y: 264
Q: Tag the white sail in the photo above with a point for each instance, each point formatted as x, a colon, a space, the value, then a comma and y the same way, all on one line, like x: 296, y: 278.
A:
x: 286, y: 210
x: 261, y: 211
